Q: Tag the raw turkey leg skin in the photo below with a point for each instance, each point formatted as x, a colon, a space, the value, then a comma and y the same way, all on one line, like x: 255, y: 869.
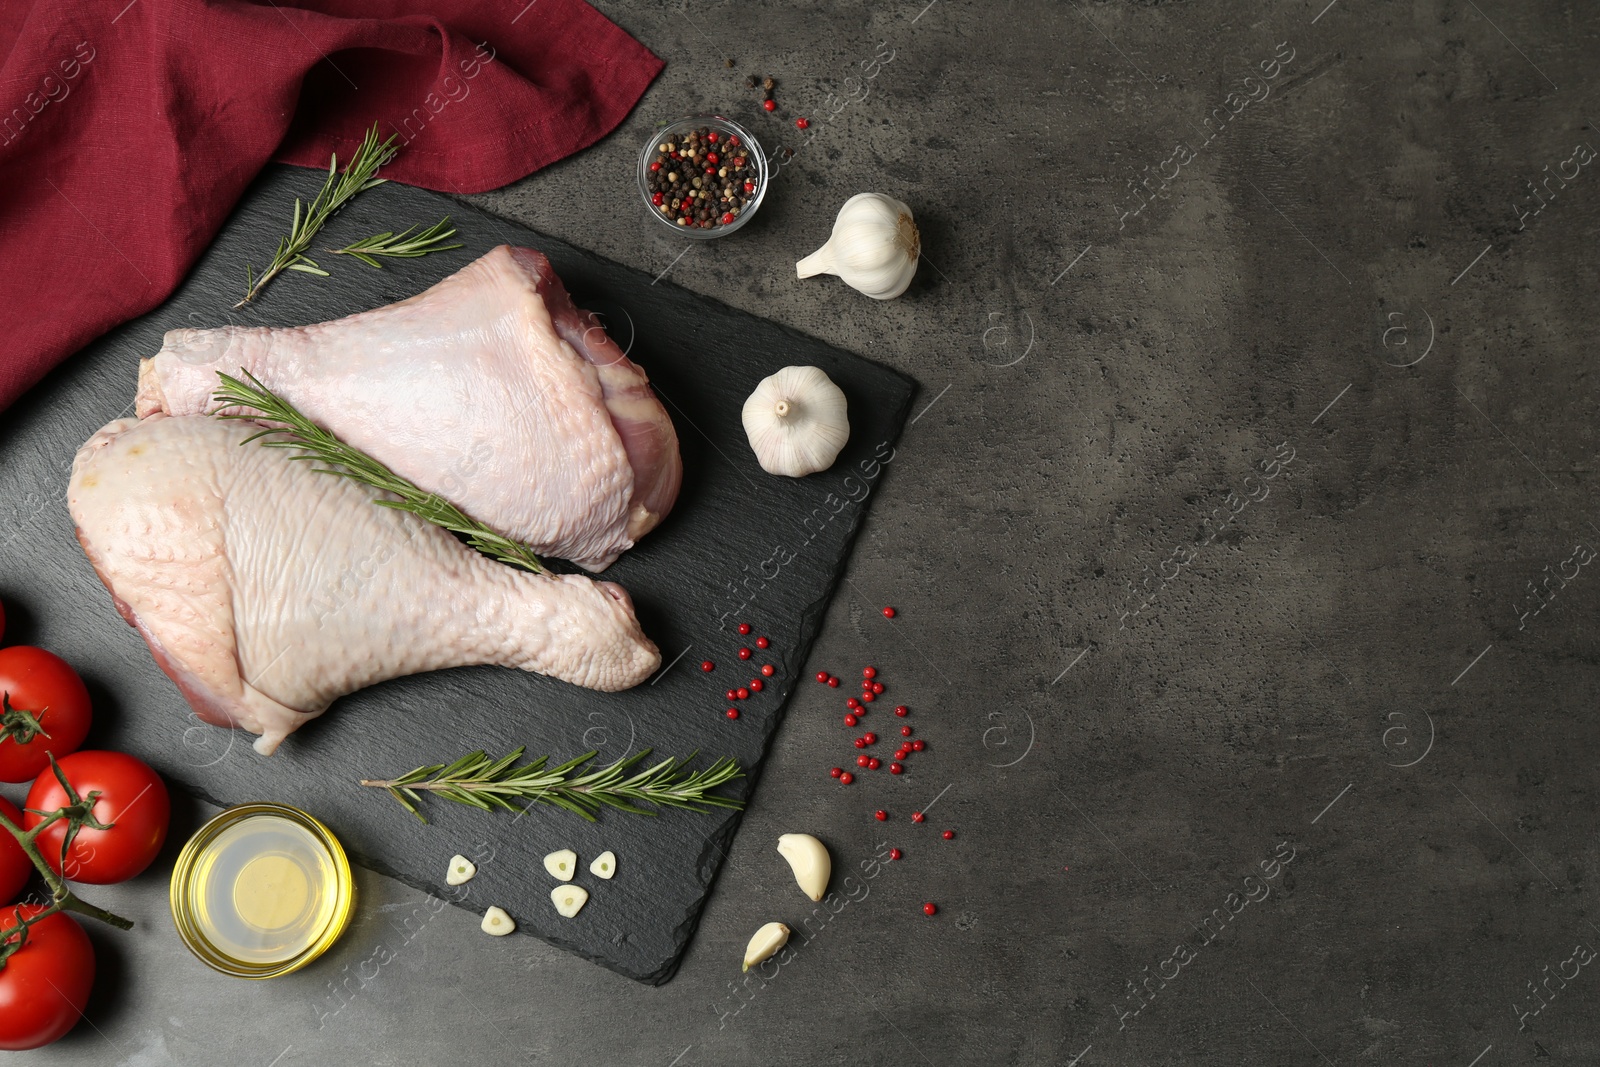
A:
x: 491, y: 389
x: 266, y: 590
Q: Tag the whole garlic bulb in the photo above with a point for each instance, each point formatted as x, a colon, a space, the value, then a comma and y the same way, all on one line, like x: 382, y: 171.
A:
x: 797, y: 422
x: 874, y: 247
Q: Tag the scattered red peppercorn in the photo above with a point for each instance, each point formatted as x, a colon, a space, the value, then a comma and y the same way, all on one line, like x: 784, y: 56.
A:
x: 902, y: 711
x: 902, y: 752
x: 918, y: 745
x: 895, y: 853
x: 733, y: 713
x: 869, y: 672
x: 756, y: 685
x: 873, y: 763
x: 745, y: 653
x: 870, y: 738
x: 834, y: 682
x: 768, y: 669
x: 861, y: 760
x: 917, y: 816
x: 770, y: 105
x: 868, y: 698
x: 861, y: 742
x: 762, y: 642
x: 834, y: 772
x: 802, y: 123
x: 896, y: 768
x: 733, y: 694
x: 744, y: 694
x: 822, y: 677
x: 852, y: 703
x: 888, y: 613
x: 744, y: 628
x: 881, y: 815
x: 846, y: 777
x: 849, y: 720
x: 930, y: 908
x: 905, y: 731
x: 877, y: 688
x: 948, y: 835
x: 708, y: 666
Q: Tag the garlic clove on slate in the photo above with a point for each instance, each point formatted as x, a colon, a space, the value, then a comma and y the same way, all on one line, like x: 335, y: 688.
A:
x: 797, y: 421
x: 562, y: 864
x: 767, y: 940
x: 874, y: 248
x: 604, y: 865
x: 569, y: 899
x: 461, y: 870
x: 809, y: 860
x: 496, y: 923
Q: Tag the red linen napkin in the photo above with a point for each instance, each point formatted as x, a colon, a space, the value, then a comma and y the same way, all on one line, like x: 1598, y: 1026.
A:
x: 128, y: 131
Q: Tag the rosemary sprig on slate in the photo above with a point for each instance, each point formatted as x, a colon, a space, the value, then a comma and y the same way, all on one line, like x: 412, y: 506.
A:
x: 482, y: 782
x: 338, y: 190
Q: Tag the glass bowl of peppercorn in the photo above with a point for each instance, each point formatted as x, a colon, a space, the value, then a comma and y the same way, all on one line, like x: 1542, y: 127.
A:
x: 702, y: 176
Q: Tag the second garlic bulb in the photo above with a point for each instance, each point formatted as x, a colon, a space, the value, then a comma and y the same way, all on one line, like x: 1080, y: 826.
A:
x: 797, y: 422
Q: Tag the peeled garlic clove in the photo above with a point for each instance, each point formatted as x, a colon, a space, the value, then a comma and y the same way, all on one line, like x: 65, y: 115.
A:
x: 797, y: 422
x: 461, y: 870
x: 768, y: 940
x: 497, y: 923
x: 569, y: 899
x: 874, y: 248
x: 562, y: 864
x: 809, y: 860
x: 604, y: 865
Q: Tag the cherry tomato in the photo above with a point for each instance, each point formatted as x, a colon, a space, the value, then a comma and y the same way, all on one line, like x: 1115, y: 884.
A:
x: 45, y: 983
x: 42, y: 684
x: 15, y: 866
x: 133, y: 799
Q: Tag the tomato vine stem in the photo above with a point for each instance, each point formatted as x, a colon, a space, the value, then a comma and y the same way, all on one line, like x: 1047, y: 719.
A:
x: 79, y: 812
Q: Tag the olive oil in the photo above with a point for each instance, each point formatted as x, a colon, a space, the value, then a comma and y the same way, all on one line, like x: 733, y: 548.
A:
x: 261, y: 890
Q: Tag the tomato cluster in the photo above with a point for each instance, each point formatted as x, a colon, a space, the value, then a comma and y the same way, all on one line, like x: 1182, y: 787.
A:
x: 44, y: 718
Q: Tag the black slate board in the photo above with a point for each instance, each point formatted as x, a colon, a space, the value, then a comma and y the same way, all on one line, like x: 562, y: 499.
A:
x: 740, y: 546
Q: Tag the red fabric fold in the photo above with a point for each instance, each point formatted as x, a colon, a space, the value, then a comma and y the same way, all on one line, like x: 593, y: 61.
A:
x: 128, y: 133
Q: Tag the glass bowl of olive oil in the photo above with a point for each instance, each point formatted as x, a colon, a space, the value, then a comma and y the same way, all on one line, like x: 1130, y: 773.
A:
x: 261, y: 890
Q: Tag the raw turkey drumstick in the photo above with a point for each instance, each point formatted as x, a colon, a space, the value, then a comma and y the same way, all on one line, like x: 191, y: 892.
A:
x: 491, y: 389
x: 266, y: 591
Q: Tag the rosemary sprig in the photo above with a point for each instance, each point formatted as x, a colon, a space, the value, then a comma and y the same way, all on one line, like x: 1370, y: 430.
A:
x: 336, y: 191
x: 400, y: 245
x: 316, y: 445
x: 486, y: 783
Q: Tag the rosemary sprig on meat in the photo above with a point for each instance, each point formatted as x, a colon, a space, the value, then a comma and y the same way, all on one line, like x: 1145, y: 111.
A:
x: 485, y: 783
x: 402, y: 245
x: 338, y: 190
x: 329, y: 455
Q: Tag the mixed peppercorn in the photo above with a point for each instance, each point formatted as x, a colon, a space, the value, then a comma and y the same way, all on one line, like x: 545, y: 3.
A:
x: 702, y: 178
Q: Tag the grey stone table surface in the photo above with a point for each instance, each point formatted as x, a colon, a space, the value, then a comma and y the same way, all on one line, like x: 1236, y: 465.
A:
x: 1239, y: 543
